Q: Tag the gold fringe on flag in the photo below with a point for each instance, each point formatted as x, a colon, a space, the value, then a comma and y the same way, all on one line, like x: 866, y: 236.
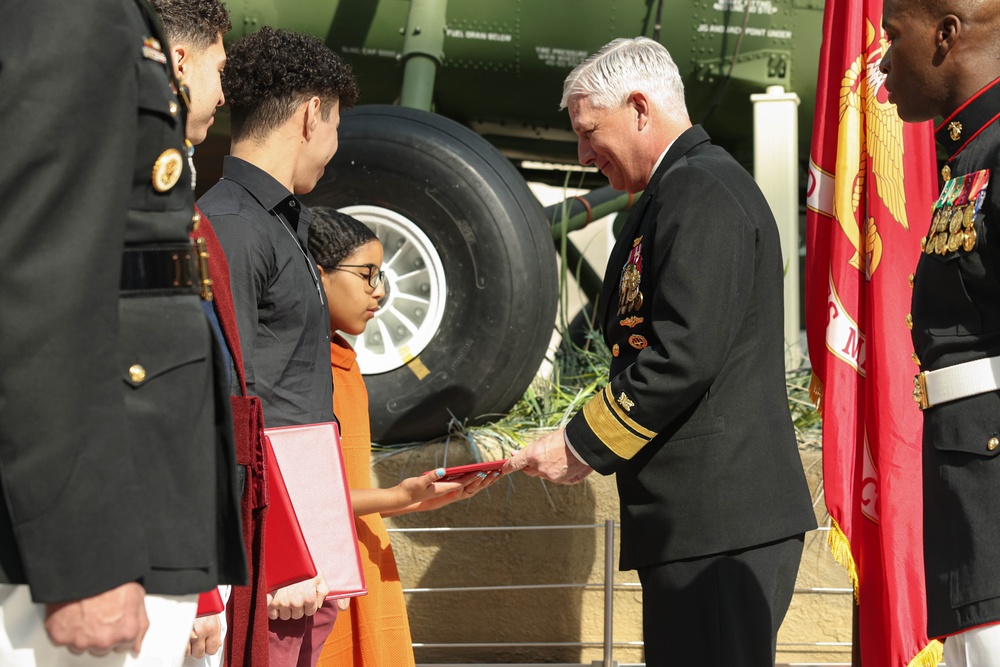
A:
x: 930, y: 656
x: 816, y: 393
x: 840, y: 547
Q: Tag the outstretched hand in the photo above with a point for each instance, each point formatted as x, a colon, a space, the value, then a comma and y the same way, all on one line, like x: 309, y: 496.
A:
x: 474, y: 483
x: 423, y: 493
x: 425, y: 487
x: 549, y: 458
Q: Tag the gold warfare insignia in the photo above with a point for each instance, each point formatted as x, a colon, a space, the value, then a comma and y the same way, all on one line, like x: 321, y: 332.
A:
x: 167, y: 169
x: 626, y: 402
x: 615, y: 350
x: 629, y: 296
x: 638, y: 342
x: 955, y: 130
x: 631, y: 321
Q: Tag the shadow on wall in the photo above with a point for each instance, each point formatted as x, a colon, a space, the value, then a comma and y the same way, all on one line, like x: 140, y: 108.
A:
x: 495, y: 558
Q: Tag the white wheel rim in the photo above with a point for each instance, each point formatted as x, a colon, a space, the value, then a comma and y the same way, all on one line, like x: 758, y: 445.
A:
x: 416, y: 292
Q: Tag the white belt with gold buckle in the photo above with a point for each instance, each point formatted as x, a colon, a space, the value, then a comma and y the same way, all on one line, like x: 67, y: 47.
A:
x: 932, y: 388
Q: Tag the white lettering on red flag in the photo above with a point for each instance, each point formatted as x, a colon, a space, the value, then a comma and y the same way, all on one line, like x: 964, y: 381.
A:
x: 844, y: 339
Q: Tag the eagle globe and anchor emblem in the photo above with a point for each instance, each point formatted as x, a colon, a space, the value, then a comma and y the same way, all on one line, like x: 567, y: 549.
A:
x: 869, y: 137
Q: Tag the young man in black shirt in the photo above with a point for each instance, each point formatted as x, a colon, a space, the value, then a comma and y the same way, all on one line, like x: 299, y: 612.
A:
x: 285, y: 114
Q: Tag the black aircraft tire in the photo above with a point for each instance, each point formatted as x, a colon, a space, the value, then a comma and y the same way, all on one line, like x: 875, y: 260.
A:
x: 495, y: 255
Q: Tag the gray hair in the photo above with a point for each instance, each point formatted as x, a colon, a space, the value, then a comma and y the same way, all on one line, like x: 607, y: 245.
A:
x: 625, y: 65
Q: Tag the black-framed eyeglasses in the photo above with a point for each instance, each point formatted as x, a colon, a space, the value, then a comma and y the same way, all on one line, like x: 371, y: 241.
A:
x: 375, y: 275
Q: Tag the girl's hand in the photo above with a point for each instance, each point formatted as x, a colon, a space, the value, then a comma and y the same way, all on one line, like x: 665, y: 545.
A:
x: 425, y: 487
x: 473, y: 484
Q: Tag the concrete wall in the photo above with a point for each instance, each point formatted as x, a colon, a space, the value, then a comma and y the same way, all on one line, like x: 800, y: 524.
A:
x: 560, y: 556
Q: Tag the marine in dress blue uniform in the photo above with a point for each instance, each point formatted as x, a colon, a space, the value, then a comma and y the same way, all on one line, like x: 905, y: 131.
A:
x: 956, y: 319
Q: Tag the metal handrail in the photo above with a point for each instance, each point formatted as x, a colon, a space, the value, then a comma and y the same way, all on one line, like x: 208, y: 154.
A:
x: 608, y: 585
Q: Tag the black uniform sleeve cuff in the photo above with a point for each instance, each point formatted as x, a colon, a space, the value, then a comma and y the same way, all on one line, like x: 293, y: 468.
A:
x: 604, y: 434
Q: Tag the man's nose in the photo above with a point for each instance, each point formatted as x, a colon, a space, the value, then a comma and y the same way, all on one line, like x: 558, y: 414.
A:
x: 884, y: 64
x: 584, y: 153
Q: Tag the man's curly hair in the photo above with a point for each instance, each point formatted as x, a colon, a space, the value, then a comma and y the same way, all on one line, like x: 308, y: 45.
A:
x: 195, y: 22
x: 271, y: 72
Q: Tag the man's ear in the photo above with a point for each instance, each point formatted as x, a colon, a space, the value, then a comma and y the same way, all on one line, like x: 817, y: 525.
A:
x: 311, y: 117
x: 638, y: 104
x: 179, y: 55
x: 949, y: 31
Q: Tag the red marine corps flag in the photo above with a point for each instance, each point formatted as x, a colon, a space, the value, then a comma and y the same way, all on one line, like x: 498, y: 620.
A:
x: 871, y: 184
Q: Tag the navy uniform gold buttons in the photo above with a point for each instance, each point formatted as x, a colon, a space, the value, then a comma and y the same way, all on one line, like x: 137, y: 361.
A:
x: 993, y: 444
x: 137, y: 373
x: 946, y: 173
x: 909, y: 321
x: 911, y: 279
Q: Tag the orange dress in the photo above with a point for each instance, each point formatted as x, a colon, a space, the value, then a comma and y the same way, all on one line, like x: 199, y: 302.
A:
x: 375, y: 631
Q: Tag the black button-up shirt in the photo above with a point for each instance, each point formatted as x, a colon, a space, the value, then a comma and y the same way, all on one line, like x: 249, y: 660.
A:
x: 281, y: 310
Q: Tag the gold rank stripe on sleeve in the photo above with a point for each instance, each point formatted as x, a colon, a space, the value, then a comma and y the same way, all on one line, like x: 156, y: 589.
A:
x: 620, y: 433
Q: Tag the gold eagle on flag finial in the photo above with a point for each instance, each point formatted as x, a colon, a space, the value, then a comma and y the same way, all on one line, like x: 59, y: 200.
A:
x: 869, y: 129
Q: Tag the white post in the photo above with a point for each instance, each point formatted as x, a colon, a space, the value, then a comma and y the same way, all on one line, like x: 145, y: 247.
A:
x: 776, y: 170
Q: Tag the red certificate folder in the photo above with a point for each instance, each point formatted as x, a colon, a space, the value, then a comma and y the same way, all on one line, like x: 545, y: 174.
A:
x: 286, y: 556
x: 210, y: 603
x: 313, y: 469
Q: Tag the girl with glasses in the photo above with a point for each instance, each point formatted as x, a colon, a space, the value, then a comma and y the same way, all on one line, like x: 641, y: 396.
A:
x: 375, y: 631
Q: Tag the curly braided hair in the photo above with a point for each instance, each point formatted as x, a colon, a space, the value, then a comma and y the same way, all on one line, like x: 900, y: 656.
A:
x: 333, y: 236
